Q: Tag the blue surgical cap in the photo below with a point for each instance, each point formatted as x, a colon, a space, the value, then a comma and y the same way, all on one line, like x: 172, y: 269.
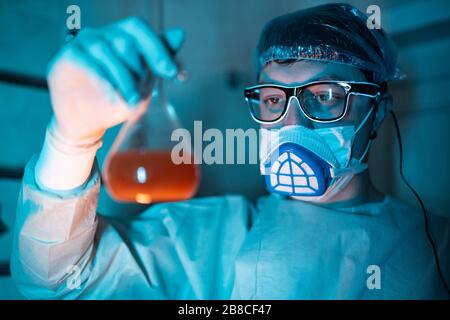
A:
x: 331, y: 33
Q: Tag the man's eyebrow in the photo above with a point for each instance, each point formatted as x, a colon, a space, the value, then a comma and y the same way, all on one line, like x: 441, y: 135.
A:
x: 267, y: 82
x: 333, y: 77
x: 330, y: 77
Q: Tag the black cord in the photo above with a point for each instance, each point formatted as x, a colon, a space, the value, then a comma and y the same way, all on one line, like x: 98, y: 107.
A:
x: 4, y: 269
x: 427, y: 225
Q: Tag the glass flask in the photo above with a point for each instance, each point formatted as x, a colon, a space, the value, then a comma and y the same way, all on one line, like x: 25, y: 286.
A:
x: 139, y: 168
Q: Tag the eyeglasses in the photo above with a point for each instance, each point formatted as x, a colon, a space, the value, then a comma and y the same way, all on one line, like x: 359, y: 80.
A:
x: 320, y: 101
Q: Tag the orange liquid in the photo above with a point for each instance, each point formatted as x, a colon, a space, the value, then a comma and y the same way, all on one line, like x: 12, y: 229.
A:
x: 150, y: 176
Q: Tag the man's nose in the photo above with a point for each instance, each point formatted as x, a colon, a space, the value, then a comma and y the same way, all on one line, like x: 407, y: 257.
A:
x: 295, y: 115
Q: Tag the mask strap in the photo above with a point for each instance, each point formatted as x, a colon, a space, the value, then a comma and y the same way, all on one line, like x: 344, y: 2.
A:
x: 365, y: 151
x: 365, y: 119
x: 359, y: 128
x: 357, y: 168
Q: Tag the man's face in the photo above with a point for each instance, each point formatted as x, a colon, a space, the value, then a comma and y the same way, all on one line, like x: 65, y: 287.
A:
x: 303, y: 72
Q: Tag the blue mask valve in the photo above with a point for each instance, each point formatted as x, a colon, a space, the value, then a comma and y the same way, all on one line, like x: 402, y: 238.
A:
x: 293, y: 170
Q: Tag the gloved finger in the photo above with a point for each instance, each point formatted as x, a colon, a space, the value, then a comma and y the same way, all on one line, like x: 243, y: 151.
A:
x: 117, y: 71
x: 73, y: 53
x: 175, y: 38
x: 150, y: 46
x: 126, y: 50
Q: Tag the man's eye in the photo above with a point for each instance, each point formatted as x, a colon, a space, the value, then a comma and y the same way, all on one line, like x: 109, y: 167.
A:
x: 272, y: 101
x: 327, y: 98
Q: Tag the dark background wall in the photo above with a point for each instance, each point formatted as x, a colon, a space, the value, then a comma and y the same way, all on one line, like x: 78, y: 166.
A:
x: 221, y: 36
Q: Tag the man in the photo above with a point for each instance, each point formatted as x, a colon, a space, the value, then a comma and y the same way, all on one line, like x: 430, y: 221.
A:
x: 324, y: 232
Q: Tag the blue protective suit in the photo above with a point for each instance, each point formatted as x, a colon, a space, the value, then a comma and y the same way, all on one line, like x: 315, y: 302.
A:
x: 220, y: 248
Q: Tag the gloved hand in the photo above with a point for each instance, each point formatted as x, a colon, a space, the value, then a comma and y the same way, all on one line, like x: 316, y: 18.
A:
x: 98, y: 78
x: 97, y: 81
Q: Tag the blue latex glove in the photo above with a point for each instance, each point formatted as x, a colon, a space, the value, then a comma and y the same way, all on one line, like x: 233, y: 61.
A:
x: 102, y: 75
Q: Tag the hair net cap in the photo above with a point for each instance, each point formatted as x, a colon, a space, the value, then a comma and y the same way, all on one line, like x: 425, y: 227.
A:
x: 332, y: 33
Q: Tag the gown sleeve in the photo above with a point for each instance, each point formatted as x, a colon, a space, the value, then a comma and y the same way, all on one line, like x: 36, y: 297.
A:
x: 182, y: 250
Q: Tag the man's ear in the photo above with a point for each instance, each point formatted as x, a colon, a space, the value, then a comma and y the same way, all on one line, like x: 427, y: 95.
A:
x: 382, y: 106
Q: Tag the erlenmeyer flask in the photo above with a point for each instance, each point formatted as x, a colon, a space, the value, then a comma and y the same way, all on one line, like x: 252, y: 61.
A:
x: 139, y: 167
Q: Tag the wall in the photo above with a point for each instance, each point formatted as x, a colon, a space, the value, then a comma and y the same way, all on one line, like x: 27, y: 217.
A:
x: 220, y: 39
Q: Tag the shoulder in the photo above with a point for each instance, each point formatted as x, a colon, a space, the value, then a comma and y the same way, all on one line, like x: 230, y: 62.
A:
x: 208, y: 209
x: 398, y: 205
x: 413, y: 254
x: 404, y: 210
x: 412, y: 221
x: 205, y: 204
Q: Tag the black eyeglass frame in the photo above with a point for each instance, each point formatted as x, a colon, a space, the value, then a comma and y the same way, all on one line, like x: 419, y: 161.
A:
x: 367, y: 89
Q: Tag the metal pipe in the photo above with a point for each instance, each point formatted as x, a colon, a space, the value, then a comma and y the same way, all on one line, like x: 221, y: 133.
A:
x: 23, y: 80
x: 11, y: 173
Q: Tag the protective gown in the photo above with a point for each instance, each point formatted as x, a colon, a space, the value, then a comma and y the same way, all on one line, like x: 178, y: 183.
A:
x: 221, y: 248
